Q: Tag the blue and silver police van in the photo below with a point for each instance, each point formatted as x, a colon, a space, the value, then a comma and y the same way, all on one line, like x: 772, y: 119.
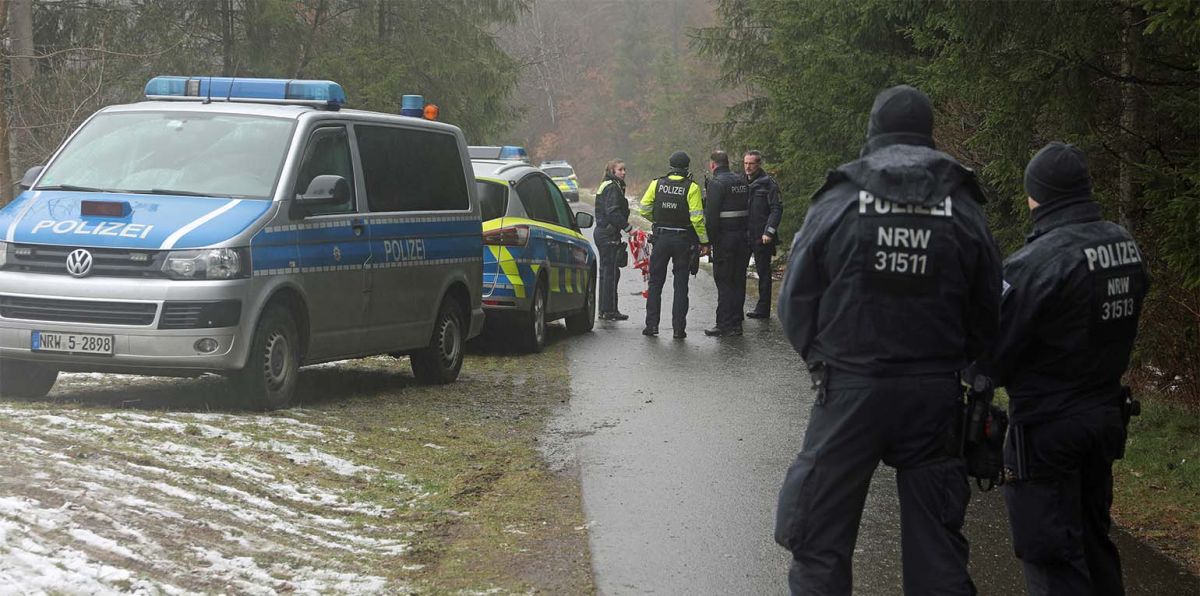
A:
x: 246, y: 227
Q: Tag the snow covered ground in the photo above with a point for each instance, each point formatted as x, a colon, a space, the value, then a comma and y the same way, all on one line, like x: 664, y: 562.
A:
x: 97, y: 501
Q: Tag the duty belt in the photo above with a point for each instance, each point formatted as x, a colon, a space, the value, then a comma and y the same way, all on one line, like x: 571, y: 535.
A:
x: 732, y: 214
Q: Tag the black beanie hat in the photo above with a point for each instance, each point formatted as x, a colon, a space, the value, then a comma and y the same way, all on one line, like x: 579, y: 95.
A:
x: 1058, y: 171
x: 901, y: 109
x: 680, y: 160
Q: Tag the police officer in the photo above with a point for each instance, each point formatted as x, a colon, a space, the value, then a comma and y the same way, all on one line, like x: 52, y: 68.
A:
x: 726, y: 211
x: 1069, y: 315
x: 675, y: 206
x: 766, y: 210
x: 893, y: 287
x: 612, y: 218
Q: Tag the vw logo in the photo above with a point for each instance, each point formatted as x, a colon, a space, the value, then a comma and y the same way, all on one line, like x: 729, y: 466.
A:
x: 79, y: 262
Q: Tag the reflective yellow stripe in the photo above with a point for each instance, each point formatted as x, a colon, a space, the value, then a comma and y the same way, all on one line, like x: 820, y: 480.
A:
x: 509, y: 266
x: 554, y: 279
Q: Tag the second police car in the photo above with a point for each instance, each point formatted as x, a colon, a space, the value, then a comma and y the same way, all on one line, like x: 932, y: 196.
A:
x: 563, y: 175
x: 246, y: 227
x: 537, y: 266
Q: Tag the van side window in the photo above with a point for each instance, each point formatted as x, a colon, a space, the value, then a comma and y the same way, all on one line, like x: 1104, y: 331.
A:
x: 536, y: 199
x: 328, y: 152
x: 411, y: 170
x: 561, y: 210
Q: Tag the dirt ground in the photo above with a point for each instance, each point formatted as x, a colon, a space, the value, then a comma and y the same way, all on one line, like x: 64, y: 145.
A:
x: 374, y: 484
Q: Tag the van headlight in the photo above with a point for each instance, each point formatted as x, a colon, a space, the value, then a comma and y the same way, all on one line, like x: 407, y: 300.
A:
x: 208, y: 263
x: 3, y: 254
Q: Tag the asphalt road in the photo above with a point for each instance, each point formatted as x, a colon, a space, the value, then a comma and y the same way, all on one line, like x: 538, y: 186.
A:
x: 681, y: 446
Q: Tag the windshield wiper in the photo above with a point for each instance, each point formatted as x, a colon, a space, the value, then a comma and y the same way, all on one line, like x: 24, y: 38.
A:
x: 72, y: 187
x: 169, y: 191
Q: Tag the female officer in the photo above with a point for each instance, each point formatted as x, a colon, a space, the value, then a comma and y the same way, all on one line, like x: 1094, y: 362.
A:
x: 612, y: 218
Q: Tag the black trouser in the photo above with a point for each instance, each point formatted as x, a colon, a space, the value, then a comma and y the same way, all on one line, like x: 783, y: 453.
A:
x: 762, y: 265
x: 907, y: 422
x: 1060, y: 512
x: 610, y: 248
x: 670, y: 247
x: 731, y: 254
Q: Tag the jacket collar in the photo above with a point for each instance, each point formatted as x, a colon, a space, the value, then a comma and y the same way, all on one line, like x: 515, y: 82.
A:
x: 878, y: 142
x: 720, y: 169
x: 615, y: 180
x: 1061, y: 213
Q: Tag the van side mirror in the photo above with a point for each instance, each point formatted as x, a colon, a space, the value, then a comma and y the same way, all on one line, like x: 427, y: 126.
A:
x: 584, y: 219
x: 326, y: 189
x: 31, y: 176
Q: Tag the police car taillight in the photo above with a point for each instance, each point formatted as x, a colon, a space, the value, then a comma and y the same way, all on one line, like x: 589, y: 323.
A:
x: 290, y: 91
x: 510, y: 236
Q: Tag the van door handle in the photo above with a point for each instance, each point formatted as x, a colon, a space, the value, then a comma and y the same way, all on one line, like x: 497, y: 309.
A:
x: 358, y: 225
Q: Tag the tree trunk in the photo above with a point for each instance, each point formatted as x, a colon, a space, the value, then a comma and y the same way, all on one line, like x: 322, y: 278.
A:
x: 1130, y: 145
x: 6, y: 169
x: 227, y: 42
x: 21, y: 38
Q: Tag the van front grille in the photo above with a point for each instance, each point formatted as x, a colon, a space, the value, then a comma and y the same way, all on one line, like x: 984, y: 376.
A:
x: 77, y: 311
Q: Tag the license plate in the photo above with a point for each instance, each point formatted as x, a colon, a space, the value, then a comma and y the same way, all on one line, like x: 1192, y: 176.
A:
x: 76, y: 343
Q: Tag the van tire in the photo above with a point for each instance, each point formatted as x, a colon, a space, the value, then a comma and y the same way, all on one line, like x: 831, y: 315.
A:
x: 441, y: 362
x: 273, y: 367
x: 26, y: 379
x: 532, y: 325
x: 585, y: 319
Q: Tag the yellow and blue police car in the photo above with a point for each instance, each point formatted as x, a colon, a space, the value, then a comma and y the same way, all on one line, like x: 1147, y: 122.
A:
x: 563, y: 175
x: 537, y: 266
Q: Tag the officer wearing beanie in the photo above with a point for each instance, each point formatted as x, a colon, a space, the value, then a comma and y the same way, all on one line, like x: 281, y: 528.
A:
x: 892, y: 288
x: 674, y: 205
x: 1069, y: 316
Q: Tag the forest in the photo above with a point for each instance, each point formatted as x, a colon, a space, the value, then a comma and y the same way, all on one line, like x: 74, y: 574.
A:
x: 638, y: 79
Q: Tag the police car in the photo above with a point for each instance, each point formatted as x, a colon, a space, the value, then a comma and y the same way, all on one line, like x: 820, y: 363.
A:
x: 246, y: 227
x: 537, y: 266
x: 563, y: 175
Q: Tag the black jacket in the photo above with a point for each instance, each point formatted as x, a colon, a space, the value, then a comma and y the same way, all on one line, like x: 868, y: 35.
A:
x: 612, y: 208
x: 1072, y: 298
x: 727, y: 193
x: 766, y: 211
x: 894, y: 271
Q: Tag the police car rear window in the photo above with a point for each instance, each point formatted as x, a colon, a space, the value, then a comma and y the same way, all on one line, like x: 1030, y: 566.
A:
x: 493, y: 199
x: 225, y: 155
x: 558, y: 172
x: 411, y: 170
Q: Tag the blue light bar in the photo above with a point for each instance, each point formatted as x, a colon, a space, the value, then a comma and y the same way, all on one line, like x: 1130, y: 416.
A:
x: 412, y: 105
x: 292, y: 91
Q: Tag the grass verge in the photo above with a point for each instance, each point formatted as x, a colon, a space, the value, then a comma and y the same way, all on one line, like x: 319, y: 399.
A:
x: 1156, y: 488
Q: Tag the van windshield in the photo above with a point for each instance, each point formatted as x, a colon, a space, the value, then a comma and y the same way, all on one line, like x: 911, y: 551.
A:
x: 558, y: 172
x: 223, y: 155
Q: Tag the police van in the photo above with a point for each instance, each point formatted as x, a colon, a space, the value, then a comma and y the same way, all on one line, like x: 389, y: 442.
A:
x: 246, y: 227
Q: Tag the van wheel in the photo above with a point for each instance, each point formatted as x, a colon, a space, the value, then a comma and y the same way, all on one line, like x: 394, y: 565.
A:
x: 269, y: 378
x: 585, y: 319
x: 25, y: 379
x: 440, y: 363
x: 533, y: 324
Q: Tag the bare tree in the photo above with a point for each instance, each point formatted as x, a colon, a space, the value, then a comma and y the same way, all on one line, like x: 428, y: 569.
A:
x: 6, y: 169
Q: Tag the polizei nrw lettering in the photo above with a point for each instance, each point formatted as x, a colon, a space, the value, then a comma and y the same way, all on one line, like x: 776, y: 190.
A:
x: 671, y: 189
x: 100, y: 228
x: 902, y: 237
x: 869, y: 204
x: 1113, y: 254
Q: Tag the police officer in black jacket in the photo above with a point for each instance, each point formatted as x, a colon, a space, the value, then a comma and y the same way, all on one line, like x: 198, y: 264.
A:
x: 893, y: 287
x: 766, y: 211
x: 726, y: 210
x: 1069, y: 315
x: 612, y: 218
